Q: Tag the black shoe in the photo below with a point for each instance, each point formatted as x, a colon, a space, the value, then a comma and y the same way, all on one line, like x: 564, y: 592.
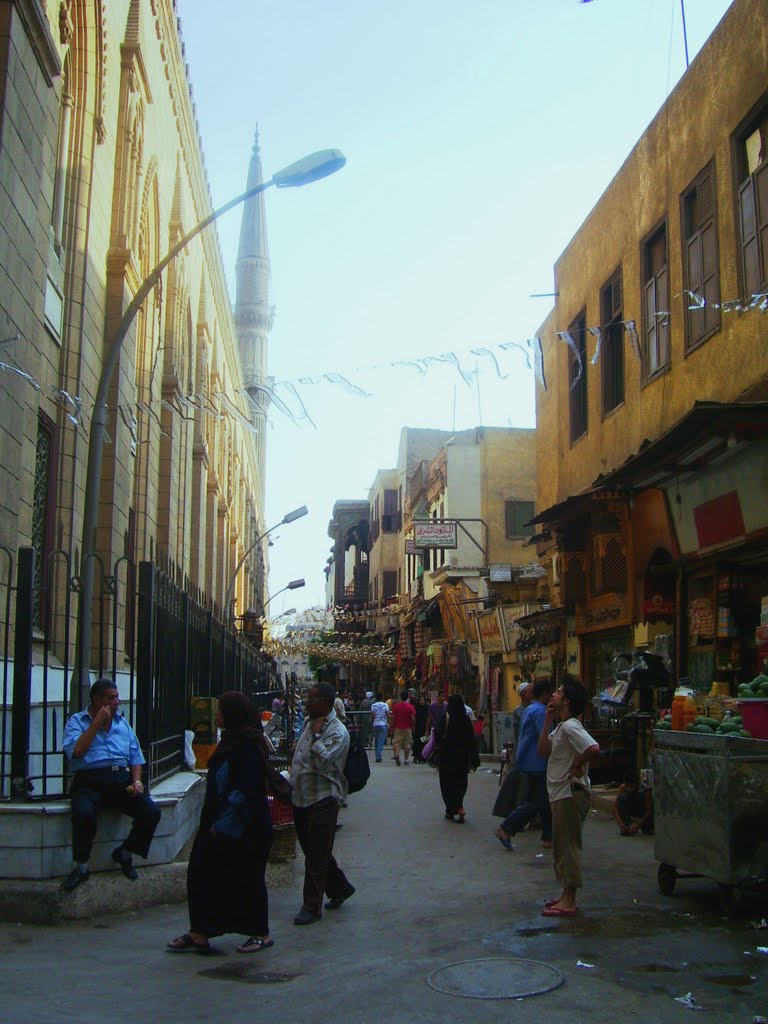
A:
x: 74, y: 878
x: 306, y: 917
x: 339, y: 825
x: 336, y: 901
x: 125, y: 863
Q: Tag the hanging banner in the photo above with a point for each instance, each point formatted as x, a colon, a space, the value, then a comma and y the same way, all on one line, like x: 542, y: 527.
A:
x: 490, y: 631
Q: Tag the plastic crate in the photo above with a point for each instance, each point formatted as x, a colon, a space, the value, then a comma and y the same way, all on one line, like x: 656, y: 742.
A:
x: 282, y: 814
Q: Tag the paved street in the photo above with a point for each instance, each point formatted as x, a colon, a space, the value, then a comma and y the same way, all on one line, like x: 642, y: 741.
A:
x: 429, y: 893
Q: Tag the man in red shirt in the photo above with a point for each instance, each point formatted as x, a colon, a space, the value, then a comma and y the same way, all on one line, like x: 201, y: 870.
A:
x: 404, y: 719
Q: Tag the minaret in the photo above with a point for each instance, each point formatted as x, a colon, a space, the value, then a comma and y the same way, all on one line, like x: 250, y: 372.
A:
x: 253, y: 314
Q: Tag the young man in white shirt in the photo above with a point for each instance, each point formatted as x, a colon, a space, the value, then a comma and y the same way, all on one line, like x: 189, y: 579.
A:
x: 569, y: 748
x: 380, y: 722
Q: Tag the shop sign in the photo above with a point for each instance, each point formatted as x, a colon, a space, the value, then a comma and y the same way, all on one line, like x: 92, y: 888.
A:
x: 658, y: 606
x: 500, y: 573
x: 605, y: 615
x: 490, y: 632
x: 723, y: 503
x: 428, y: 533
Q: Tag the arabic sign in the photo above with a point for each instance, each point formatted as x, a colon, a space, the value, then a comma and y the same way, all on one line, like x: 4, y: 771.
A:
x: 490, y: 632
x: 430, y: 533
x: 500, y: 573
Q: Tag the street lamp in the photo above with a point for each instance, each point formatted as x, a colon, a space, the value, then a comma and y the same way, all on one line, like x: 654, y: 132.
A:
x: 293, y: 585
x: 289, y: 517
x: 308, y: 169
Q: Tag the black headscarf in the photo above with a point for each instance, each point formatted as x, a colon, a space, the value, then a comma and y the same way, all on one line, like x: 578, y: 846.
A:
x: 242, y: 725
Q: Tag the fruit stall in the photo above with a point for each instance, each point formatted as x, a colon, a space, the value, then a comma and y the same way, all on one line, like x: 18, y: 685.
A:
x: 711, y: 809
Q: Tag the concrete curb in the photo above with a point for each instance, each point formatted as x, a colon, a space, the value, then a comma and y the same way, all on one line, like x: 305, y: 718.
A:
x: 108, y: 892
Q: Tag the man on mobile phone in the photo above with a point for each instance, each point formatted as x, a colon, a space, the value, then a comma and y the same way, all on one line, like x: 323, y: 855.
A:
x: 319, y: 789
x: 106, y: 760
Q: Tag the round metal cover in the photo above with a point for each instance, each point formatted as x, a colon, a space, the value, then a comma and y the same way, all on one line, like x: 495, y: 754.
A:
x: 495, y: 978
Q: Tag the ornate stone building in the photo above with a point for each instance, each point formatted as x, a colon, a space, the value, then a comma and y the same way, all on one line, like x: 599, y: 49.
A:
x: 101, y: 173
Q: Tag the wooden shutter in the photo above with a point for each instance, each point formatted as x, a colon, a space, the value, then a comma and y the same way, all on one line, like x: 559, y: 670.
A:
x: 750, y: 252
x: 761, y: 192
x: 651, y: 329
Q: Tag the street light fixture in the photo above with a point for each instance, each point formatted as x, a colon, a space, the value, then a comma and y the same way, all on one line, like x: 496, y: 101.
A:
x: 293, y: 585
x: 302, y: 172
x: 289, y: 517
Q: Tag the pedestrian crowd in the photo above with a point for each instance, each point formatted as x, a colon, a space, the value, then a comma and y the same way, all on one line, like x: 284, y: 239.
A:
x: 226, y: 887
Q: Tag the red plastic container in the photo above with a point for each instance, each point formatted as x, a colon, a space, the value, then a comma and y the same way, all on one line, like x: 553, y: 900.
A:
x: 754, y: 715
x: 282, y: 814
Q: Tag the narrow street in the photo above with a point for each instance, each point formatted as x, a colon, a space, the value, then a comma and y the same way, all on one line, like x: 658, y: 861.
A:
x: 429, y: 893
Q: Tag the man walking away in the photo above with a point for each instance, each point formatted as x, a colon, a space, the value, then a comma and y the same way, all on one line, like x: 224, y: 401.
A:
x: 533, y: 768
x: 319, y: 788
x: 380, y: 720
x: 106, y: 760
x: 404, y: 718
x: 570, y: 748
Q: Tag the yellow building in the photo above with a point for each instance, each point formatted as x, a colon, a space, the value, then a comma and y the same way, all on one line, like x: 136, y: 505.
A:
x: 652, y: 458
x: 101, y: 172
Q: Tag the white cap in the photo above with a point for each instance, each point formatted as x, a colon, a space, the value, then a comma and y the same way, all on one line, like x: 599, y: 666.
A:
x: 522, y: 686
x: 369, y: 693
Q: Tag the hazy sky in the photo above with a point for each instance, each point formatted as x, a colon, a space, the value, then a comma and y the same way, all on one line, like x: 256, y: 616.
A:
x: 478, y: 137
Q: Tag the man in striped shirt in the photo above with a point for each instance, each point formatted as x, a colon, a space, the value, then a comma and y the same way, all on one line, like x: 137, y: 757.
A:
x: 319, y: 789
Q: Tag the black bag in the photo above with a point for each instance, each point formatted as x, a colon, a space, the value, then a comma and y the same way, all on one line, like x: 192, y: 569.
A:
x: 356, y: 768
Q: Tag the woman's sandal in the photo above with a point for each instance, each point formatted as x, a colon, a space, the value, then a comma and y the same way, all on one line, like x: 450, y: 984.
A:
x: 460, y: 818
x: 255, y: 945
x: 448, y: 816
x: 186, y: 944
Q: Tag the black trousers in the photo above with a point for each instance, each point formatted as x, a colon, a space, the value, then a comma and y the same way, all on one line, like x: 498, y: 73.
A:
x: 316, y: 831
x: 94, y: 790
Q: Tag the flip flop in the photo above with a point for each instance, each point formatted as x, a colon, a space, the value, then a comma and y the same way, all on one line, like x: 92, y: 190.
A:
x: 552, y: 902
x: 559, y: 911
x: 254, y: 945
x: 186, y: 944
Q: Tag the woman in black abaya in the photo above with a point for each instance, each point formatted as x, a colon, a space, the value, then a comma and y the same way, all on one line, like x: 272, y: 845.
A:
x: 458, y: 756
x: 226, y: 888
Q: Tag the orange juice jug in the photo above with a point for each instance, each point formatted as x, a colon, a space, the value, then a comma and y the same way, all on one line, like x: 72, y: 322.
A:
x: 677, y: 711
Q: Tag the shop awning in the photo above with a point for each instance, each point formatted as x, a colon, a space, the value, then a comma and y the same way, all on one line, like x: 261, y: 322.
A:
x: 706, y: 432
x: 543, y: 617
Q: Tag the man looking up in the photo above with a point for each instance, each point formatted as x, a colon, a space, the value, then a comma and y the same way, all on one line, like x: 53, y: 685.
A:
x: 569, y: 748
x: 319, y: 788
x: 106, y: 760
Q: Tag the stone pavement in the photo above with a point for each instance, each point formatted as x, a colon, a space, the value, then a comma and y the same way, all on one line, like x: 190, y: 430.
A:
x: 429, y: 893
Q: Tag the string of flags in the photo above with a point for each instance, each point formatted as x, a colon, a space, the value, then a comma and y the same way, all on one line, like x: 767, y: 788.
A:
x: 359, y: 654
x: 260, y: 397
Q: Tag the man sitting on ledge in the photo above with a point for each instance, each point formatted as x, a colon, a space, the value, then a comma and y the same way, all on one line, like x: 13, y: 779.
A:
x: 106, y: 760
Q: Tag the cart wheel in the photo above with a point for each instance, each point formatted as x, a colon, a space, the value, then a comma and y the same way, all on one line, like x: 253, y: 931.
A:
x: 730, y: 898
x: 667, y: 877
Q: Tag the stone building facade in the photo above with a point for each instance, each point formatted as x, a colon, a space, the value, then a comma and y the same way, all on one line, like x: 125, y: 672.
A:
x: 101, y: 173
x: 651, y: 434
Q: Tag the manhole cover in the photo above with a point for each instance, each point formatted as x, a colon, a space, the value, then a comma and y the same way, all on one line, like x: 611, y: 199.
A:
x: 495, y: 978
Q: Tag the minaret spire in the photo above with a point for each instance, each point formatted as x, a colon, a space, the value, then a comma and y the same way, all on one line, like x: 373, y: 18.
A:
x: 253, y: 314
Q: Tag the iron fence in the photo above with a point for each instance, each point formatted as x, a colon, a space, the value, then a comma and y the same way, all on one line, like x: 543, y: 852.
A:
x: 160, y: 645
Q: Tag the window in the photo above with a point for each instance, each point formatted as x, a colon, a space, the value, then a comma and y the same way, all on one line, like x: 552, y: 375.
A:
x: 389, y: 585
x: 656, y: 302
x: 752, y: 176
x: 516, y: 515
x: 578, y: 390
x: 612, y: 355
x: 701, y: 273
x: 390, y: 521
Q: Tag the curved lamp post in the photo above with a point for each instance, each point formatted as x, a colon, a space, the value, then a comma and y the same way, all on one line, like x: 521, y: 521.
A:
x: 289, y: 517
x: 293, y: 585
x: 308, y: 169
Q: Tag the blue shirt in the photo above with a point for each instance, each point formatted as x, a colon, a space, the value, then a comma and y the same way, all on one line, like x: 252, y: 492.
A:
x: 528, y: 758
x: 118, y: 746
